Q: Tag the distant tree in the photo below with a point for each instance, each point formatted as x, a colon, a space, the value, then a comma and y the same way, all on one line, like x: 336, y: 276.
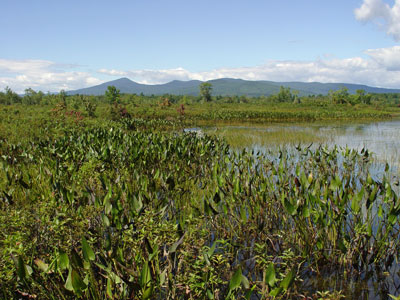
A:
x: 62, y: 95
x: 361, y: 97
x: 285, y: 95
x: 112, y: 94
x: 340, y: 96
x: 32, y: 97
x: 11, y: 97
x: 205, y: 91
x: 243, y: 99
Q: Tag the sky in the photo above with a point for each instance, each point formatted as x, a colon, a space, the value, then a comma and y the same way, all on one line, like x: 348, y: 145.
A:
x: 51, y: 45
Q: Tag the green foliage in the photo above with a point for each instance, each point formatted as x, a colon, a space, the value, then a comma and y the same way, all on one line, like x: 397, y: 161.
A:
x: 138, y: 209
x: 205, y: 91
x: 112, y: 95
x: 90, y: 107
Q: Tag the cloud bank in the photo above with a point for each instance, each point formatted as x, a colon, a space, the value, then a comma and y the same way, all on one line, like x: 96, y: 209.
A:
x: 380, y: 67
x: 385, y: 16
x: 42, y: 75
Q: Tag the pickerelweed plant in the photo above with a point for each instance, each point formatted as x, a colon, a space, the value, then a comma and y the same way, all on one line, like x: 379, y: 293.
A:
x: 125, y: 214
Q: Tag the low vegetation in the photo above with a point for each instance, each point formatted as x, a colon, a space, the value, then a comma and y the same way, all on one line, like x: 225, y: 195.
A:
x: 113, y: 200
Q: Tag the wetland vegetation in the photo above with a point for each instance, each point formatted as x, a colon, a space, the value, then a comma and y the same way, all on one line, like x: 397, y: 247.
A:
x: 109, y: 197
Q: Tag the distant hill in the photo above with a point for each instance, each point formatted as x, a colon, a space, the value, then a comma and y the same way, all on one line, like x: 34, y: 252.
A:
x: 226, y: 87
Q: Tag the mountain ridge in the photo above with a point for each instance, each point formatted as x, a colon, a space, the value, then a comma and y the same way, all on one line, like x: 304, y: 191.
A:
x: 226, y: 87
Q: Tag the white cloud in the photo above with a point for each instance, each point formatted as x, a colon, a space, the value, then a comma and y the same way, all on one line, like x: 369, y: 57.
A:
x: 113, y: 72
x: 385, y: 16
x: 155, y: 76
x: 380, y: 67
x: 386, y: 57
x: 42, y: 75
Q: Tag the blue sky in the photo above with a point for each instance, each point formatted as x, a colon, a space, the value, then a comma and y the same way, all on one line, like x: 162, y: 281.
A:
x: 53, y: 45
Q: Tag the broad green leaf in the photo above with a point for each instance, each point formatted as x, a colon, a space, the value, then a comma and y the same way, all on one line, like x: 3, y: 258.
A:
x: 68, y: 282
x: 176, y: 245
x: 21, y: 270
x: 41, y: 265
x: 88, y: 253
x: 63, y: 261
x: 245, y: 282
x: 105, y: 219
x: 77, y: 282
x: 210, y: 251
x: 380, y: 211
x: 236, y: 279
x: 287, y: 281
x: 109, y: 288
x: 276, y: 291
x: 270, y: 276
x: 291, y: 209
x: 162, y: 277
x: 145, y: 276
x: 147, y: 293
x: 355, y: 202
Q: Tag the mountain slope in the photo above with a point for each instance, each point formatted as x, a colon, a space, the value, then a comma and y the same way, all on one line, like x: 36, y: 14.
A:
x: 226, y: 87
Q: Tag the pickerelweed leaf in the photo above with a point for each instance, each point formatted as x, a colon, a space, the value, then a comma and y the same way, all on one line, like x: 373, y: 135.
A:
x: 176, y: 244
x: 76, y: 259
x: 270, y: 276
x: 21, y: 270
x: 88, y: 253
x: 41, y: 265
x: 236, y: 279
x: 145, y: 275
x: 77, y: 282
x: 63, y: 261
x: 287, y: 281
x: 68, y: 282
x: 245, y: 282
x: 147, y: 293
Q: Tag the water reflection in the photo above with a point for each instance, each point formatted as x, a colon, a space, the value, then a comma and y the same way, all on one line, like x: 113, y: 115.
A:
x: 380, y: 138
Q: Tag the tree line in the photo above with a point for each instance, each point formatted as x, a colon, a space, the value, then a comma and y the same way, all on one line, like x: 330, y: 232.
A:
x: 113, y: 95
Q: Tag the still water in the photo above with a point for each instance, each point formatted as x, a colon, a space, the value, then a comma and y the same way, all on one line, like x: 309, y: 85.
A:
x: 382, y: 139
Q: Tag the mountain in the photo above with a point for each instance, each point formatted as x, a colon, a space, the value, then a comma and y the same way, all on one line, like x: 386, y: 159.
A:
x: 226, y: 87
